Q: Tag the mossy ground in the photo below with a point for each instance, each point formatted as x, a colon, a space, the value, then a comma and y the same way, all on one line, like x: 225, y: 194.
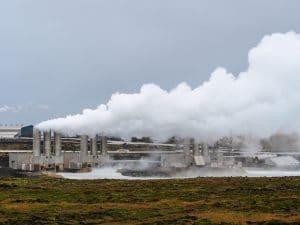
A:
x: 48, y: 200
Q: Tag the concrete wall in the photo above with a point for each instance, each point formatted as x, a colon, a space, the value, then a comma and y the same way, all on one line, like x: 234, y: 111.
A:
x: 16, y: 160
x: 173, y: 160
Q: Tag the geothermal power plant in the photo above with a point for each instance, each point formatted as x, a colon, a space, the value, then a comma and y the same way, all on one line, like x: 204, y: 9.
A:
x: 95, y: 152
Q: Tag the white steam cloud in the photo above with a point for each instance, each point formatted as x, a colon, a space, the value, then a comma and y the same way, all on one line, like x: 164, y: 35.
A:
x: 260, y: 101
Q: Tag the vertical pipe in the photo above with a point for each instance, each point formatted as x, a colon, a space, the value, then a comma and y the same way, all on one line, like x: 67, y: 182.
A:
x: 205, y: 153
x: 36, y: 142
x: 83, y: 145
x: 186, y: 146
x: 196, y: 149
x: 220, y: 158
x: 47, y: 143
x: 94, y: 141
x: 187, y: 151
x: 205, y: 150
x: 57, y: 142
x: 103, y: 145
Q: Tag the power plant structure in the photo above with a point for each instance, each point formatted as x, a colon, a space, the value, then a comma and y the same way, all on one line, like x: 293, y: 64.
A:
x: 47, y: 154
x: 51, y: 151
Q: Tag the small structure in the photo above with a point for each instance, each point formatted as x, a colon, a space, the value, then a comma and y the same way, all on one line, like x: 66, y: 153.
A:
x: 283, y: 162
x: 27, y: 131
x: 198, y: 157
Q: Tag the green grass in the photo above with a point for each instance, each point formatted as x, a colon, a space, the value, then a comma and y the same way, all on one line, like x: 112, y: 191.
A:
x: 47, y: 200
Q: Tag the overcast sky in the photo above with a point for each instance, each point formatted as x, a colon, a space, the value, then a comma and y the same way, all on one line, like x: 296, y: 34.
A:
x: 60, y: 56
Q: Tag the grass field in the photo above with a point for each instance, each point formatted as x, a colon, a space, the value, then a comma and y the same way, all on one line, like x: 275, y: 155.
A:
x: 46, y: 200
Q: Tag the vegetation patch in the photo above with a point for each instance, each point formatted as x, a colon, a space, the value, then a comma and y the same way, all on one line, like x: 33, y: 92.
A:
x: 49, y: 200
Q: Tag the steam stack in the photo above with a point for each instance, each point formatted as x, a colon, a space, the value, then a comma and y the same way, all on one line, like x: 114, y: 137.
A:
x: 187, y: 151
x: 103, y: 145
x: 205, y: 152
x: 57, y: 141
x: 83, y: 146
x: 196, y: 149
x: 94, y: 141
x: 47, y: 143
x: 36, y: 142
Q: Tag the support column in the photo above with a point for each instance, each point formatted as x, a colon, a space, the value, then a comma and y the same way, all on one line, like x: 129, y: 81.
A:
x: 36, y: 142
x: 187, y: 151
x: 83, y: 146
x: 187, y: 146
x: 205, y: 152
x: 57, y: 142
x: 47, y: 143
x: 196, y: 149
x: 103, y: 145
x: 220, y: 159
x: 94, y: 141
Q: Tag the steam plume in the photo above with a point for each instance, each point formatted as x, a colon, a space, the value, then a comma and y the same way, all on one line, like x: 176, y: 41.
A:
x: 262, y: 100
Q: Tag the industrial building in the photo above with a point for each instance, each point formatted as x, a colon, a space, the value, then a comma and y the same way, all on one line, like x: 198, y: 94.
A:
x: 10, y: 131
x: 48, y: 154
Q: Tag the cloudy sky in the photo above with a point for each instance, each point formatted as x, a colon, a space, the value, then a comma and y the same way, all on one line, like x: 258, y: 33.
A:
x: 60, y: 56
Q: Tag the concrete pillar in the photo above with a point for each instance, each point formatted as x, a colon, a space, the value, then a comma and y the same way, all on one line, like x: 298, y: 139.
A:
x: 220, y: 159
x: 187, y: 151
x: 196, y: 149
x: 36, y: 142
x: 94, y: 141
x: 103, y: 145
x: 57, y: 142
x: 83, y: 145
x: 47, y: 143
x: 205, y: 152
x: 187, y: 146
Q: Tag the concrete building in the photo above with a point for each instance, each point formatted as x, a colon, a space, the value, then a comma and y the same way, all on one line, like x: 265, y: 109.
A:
x: 48, y: 154
x: 40, y: 158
